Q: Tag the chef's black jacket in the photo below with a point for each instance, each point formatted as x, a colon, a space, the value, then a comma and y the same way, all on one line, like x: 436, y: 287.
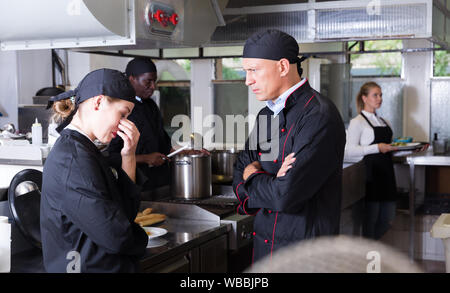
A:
x: 305, y: 203
x: 153, y: 138
x: 88, y: 208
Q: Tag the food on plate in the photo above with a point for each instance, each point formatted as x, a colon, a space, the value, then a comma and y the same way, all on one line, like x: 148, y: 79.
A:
x: 398, y: 144
x: 148, y: 232
x: 147, y: 211
x: 150, y: 219
x: 404, y: 139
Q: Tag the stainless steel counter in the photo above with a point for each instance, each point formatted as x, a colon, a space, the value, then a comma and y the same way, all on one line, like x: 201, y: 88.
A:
x: 182, y: 237
x: 353, y: 183
x: 426, y: 158
x: 188, y: 226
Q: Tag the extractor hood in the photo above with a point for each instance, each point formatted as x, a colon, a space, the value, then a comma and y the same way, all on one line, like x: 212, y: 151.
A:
x: 329, y: 21
x: 128, y: 24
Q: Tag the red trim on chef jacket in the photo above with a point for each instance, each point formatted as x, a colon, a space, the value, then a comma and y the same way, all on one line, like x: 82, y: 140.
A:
x: 309, y: 101
x: 289, y: 132
x: 273, y: 235
x: 237, y: 193
x: 259, y: 172
x: 243, y: 208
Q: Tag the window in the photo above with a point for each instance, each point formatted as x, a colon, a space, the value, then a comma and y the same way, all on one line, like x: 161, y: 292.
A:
x: 376, y: 64
x: 441, y: 63
x: 174, y: 90
x: 229, y: 69
x: 231, y: 101
x: 174, y: 70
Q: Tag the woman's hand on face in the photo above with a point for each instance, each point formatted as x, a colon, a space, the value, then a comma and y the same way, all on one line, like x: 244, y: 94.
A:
x: 287, y: 164
x: 130, y: 136
x: 385, y: 148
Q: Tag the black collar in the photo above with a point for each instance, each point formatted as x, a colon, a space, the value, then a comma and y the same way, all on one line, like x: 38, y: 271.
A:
x: 299, y: 95
x: 81, y: 138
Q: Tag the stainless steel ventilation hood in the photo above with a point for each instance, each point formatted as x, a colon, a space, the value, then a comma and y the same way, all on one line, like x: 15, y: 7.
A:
x: 127, y: 24
x: 328, y: 21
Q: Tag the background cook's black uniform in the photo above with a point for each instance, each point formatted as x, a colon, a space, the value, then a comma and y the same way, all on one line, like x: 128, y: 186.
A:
x: 153, y: 138
x: 304, y: 203
x: 85, y: 208
x: 380, y: 176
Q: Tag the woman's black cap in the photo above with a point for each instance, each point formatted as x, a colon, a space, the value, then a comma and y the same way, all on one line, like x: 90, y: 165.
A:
x: 108, y: 82
x: 140, y: 65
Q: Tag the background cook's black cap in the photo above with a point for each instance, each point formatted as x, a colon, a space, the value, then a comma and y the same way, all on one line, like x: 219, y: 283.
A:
x: 108, y: 82
x: 139, y: 66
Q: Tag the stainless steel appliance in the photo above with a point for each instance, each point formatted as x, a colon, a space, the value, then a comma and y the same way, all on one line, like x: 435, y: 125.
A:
x: 128, y: 24
x: 222, y: 165
x: 191, y: 176
x: 220, y: 208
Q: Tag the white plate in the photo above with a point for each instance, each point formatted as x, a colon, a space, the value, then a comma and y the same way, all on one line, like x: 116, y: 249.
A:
x: 154, y: 232
x: 410, y: 146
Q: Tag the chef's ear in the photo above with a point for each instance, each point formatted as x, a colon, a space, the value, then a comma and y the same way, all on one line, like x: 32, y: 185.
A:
x: 97, y: 101
x: 283, y: 66
x: 132, y: 79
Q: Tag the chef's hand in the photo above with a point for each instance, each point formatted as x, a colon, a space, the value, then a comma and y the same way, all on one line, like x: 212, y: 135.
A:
x: 385, y: 148
x: 287, y: 164
x: 130, y: 136
x: 155, y: 159
x: 422, y: 149
x: 250, y: 169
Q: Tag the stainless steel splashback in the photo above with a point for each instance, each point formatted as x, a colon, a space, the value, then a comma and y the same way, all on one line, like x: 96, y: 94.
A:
x: 335, y: 85
x: 440, y: 108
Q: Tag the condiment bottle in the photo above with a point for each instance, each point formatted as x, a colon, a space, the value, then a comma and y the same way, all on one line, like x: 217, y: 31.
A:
x: 36, y: 133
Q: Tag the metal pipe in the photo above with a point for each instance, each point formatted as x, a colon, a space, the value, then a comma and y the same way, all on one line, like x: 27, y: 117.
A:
x: 312, y: 54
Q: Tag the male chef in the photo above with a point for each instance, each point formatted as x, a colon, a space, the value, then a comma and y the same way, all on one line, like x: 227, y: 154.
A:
x: 296, y: 193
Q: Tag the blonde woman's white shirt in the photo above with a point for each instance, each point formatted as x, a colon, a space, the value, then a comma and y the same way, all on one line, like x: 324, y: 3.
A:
x: 360, y: 136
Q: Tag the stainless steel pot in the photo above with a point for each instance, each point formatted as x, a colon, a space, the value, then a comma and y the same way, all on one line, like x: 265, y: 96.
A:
x: 222, y: 165
x: 191, y: 176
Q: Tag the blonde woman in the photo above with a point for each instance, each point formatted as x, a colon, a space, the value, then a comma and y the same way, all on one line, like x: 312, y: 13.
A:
x: 87, y: 207
x: 369, y: 137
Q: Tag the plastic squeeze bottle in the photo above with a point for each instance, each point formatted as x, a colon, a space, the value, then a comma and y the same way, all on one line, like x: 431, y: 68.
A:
x: 36, y: 133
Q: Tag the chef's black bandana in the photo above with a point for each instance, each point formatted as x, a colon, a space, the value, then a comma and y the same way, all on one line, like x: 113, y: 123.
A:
x: 104, y: 81
x: 273, y: 45
x: 139, y: 66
